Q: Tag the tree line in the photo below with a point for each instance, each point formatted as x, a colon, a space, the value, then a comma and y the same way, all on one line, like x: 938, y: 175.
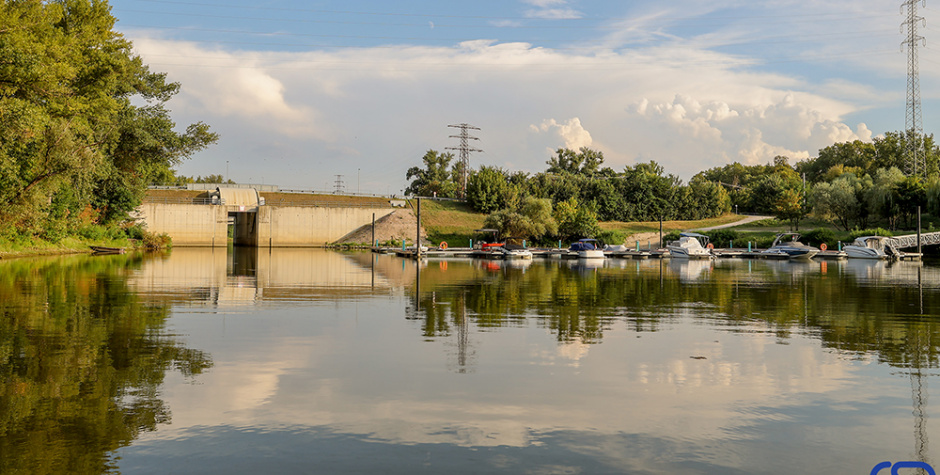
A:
x: 84, y: 126
x: 853, y: 185
x: 571, y: 196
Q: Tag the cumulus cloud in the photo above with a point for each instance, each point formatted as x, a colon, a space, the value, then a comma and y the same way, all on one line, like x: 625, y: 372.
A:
x: 573, y: 135
x: 375, y: 111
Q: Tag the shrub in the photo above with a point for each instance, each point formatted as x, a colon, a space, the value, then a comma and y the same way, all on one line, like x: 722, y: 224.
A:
x: 724, y: 237
x: 817, y: 237
x: 670, y: 236
x: 612, y: 237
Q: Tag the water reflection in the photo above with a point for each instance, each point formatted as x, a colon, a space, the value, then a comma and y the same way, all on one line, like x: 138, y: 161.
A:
x: 82, y: 363
x: 336, y: 360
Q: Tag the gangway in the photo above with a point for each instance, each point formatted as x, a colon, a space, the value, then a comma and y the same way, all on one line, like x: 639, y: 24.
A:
x: 910, y: 240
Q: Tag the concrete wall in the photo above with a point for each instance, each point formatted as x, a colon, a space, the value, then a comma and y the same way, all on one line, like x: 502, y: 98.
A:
x: 187, y: 225
x: 297, y: 226
x: 310, y: 226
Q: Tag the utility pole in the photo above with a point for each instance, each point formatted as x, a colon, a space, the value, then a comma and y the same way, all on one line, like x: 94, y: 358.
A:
x: 464, y: 150
x: 913, y: 120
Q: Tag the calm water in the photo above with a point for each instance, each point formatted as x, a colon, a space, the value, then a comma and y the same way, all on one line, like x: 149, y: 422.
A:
x: 308, y: 361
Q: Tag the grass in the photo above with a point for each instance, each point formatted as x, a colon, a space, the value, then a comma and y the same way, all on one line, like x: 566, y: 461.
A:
x: 455, y: 223
x: 41, y: 247
x: 450, y: 221
x: 629, y: 228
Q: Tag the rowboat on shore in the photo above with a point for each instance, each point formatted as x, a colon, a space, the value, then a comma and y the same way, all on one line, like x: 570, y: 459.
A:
x: 106, y: 250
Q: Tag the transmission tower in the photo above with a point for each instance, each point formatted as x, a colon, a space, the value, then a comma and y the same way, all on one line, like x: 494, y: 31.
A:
x: 913, y: 121
x: 465, y: 150
x: 339, y: 186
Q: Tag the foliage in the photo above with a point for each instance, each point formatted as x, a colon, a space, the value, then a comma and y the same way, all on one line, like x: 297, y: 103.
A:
x: 437, y: 178
x: 575, y: 221
x: 533, y: 219
x: 723, y: 237
x: 68, y: 125
x: 585, y: 162
x: 820, y: 236
x: 489, y: 189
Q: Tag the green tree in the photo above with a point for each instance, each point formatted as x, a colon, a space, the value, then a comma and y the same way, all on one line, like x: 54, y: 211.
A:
x: 67, y: 120
x: 839, y: 201
x: 436, y: 178
x: 533, y: 220
x: 585, y: 162
x: 489, y: 189
x: 575, y: 220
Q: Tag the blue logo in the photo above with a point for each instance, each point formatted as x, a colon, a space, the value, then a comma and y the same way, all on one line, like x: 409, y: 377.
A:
x: 898, y: 466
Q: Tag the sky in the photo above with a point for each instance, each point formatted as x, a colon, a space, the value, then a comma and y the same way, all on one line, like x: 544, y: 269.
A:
x: 307, y: 93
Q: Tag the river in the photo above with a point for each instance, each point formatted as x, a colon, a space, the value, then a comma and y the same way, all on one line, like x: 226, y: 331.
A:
x: 312, y: 361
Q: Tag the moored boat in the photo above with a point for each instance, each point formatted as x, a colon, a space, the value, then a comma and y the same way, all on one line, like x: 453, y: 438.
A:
x: 587, y: 249
x: 872, y: 247
x: 690, y: 246
x: 788, y: 246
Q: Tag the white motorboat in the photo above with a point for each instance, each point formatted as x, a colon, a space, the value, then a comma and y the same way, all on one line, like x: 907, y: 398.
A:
x: 690, y: 246
x: 513, y: 252
x: 788, y: 246
x: 587, y: 249
x: 872, y: 247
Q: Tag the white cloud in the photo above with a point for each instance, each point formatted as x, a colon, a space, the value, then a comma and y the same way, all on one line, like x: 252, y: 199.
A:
x: 375, y: 111
x: 551, y: 10
x: 572, y: 133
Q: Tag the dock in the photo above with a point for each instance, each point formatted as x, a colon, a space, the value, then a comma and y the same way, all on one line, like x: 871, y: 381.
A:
x: 556, y: 253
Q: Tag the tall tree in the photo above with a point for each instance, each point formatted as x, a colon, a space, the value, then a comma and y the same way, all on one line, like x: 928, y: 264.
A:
x: 67, y: 121
x: 437, y: 178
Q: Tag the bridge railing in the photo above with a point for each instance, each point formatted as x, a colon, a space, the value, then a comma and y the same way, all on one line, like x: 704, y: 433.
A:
x: 182, y: 200
x: 910, y: 240
x: 326, y: 204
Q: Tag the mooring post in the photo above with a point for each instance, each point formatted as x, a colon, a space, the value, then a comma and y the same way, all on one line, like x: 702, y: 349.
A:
x: 637, y: 245
x: 375, y: 244
x: 523, y: 243
x: 418, y: 232
x: 749, y: 246
x: 918, y: 231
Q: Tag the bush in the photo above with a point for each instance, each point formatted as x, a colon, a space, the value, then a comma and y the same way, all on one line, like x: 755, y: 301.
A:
x: 724, y: 237
x: 817, y: 237
x: 869, y: 232
x: 612, y: 237
x: 670, y: 236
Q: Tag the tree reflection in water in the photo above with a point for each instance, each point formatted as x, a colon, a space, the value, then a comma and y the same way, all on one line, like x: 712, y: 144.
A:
x: 82, y: 360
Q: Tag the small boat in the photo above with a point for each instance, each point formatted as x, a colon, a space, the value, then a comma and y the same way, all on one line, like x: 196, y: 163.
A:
x: 872, y: 247
x: 690, y: 246
x: 788, y: 246
x: 515, y: 252
x: 587, y: 249
x: 106, y: 250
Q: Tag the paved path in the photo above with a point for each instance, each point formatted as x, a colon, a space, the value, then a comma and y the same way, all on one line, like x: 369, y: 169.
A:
x: 652, y: 239
x: 749, y: 219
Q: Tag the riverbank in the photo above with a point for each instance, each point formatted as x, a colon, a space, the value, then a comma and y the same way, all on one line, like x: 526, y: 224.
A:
x: 70, y: 245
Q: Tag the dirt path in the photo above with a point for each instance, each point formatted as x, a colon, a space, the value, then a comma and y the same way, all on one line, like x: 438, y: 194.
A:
x: 652, y: 239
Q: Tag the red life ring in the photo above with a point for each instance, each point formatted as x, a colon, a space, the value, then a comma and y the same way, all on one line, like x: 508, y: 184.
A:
x: 710, y: 246
x: 443, y: 245
x: 823, y: 246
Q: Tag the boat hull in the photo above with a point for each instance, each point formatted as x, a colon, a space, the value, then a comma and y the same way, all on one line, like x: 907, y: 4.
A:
x: 858, y: 252
x: 591, y: 254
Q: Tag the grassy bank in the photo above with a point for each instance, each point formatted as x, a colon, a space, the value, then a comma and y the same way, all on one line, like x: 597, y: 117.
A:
x: 455, y: 223
x: 68, y: 245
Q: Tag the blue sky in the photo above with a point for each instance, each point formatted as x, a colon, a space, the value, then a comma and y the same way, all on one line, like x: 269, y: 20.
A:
x: 303, y: 91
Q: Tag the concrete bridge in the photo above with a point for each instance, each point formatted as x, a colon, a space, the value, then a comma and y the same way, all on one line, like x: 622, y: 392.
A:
x: 271, y: 218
